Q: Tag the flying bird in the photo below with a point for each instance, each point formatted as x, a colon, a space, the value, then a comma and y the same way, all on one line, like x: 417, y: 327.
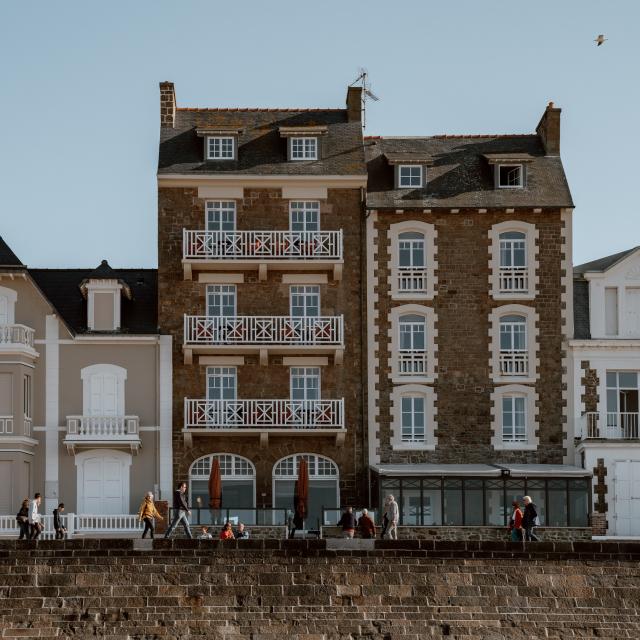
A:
x: 600, y: 39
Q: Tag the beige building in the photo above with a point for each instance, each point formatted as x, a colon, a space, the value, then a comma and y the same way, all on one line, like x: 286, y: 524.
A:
x: 85, y: 388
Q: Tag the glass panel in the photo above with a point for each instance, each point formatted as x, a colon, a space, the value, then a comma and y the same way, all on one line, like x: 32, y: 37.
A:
x: 514, y: 491
x: 612, y: 379
x: 237, y: 494
x: 557, y: 516
x: 578, y: 503
x: 411, y: 507
x: 221, y: 383
x: 473, y: 502
x: 431, y: 504
x: 494, y: 496
x: 452, y: 502
x: 628, y: 379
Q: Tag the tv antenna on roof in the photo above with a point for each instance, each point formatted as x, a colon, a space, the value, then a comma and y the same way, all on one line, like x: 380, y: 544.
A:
x: 367, y: 93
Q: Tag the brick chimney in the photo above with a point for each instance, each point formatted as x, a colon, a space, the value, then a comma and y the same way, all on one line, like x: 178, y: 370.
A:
x: 167, y: 104
x: 549, y: 130
x: 354, y: 104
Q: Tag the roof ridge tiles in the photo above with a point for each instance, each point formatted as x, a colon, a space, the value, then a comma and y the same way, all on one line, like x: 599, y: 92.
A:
x: 454, y: 135
x: 260, y: 109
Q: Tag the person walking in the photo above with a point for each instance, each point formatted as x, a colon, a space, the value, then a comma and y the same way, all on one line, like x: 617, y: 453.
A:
x: 348, y: 523
x: 515, y: 524
x: 59, y: 528
x: 530, y: 520
x: 366, y: 525
x: 180, y: 511
x: 147, y: 513
x: 35, y: 521
x: 393, y: 514
x: 22, y: 518
x: 298, y: 524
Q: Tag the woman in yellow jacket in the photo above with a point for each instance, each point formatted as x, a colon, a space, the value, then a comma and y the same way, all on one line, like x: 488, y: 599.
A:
x: 147, y: 513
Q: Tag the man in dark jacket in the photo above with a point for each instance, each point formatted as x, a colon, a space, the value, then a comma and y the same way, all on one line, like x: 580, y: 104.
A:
x: 60, y: 529
x: 530, y: 520
x: 348, y: 523
x: 180, y: 511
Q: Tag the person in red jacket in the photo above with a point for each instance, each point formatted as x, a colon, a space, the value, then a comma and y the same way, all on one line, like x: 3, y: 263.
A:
x: 515, y: 524
x: 227, y: 532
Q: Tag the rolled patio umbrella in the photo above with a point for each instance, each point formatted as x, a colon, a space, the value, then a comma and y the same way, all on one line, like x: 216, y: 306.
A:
x: 303, y: 487
x: 215, y: 485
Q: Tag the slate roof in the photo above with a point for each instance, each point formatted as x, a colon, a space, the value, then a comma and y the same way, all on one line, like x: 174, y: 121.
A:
x: 581, y: 327
x: 7, y: 257
x: 139, y: 315
x: 261, y: 148
x: 462, y: 177
x: 602, y: 264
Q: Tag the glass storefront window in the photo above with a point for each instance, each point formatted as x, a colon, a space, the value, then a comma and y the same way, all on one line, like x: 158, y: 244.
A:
x: 494, y: 502
x: 578, y: 503
x: 432, y: 501
x: 537, y: 492
x: 452, y: 501
x: 411, y: 505
x: 473, y: 502
x: 557, y: 500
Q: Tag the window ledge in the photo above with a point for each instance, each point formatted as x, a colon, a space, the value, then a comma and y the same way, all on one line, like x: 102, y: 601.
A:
x: 514, y: 446
x: 406, y: 295
x: 514, y: 296
x: 417, y: 446
x: 513, y: 380
x: 413, y: 379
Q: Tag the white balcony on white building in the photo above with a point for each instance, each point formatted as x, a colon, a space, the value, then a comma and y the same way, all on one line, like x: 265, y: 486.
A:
x: 261, y: 251
x: 262, y: 335
x: 619, y: 425
x: 17, y: 339
x: 103, y: 431
x: 264, y: 418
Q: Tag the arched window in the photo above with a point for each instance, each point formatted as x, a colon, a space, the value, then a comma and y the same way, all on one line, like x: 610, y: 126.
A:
x: 412, y: 266
x: 513, y: 345
x: 412, y: 345
x: 413, y: 260
x: 103, y: 390
x: 238, y: 477
x: 513, y: 262
x: 324, y: 489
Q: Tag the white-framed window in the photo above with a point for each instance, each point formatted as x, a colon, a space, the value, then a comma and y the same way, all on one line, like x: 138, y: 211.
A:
x: 8, y: 299
x: 103, y: 305
x: 222, y: 383
x: 304, y: 215
x: 510, y: 176
x: 220, y: 148
x: 412, y: 333
x: 27, y: 396
x: 413, y: 260
x: 513, y: 418
x: 413, y: 417
x: 304, y: 300
x: 304, y: 148
x: 623, y: 408
x: 514, y: 359
x: 103, y: 392
x: 409, y: 175
x: 220, y: 215
x: 514, y: 346
x: 221, y: 300
x: 412, y: 342
x: 513, y: 260
x: 305, y: 383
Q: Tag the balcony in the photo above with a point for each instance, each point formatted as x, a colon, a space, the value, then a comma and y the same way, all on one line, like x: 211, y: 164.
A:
x: 412, y: 362
x: 513, y: 280
x: 17, y: 339
x: 263, y: 335
x: 412, y: 280
x: 262, y: 250
x: 609, y: 426
x: 103, y: 431
x: 514, y: 363
x: 263, y: 418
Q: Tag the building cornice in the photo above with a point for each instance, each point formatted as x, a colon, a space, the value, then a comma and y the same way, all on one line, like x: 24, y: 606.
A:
x: 248, y: 180
x: 605, y: 343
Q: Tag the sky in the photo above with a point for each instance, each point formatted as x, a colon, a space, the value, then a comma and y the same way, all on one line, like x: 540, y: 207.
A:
x: 79, y: 100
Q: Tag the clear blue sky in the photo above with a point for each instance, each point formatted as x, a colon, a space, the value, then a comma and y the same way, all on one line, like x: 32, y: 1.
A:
x: 79, y: 98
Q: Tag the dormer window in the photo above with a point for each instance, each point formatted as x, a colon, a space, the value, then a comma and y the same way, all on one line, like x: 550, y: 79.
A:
x: 410, y: 176
x: 304, y: 148
x: 103, y: 290
x: 510, y: 176
x: 220, y: 148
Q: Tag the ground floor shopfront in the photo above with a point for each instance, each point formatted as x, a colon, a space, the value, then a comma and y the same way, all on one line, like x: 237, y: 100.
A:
x: 481, y: 495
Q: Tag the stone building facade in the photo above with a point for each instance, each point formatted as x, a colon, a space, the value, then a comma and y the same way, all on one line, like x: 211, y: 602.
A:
x: 469, y: 316
x: 605, y: 358
x: 260, y: 224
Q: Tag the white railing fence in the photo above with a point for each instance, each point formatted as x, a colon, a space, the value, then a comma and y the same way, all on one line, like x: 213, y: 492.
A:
x: 412, y: 279
x: 256, y: 245
x: 102, y: 426
x: 269, y: 330
x: 16, y: 334
x: 76, y: 524
x: 237, y: 414
x: 617, y: 425
x: 412, y: 362
x: 6, y: 424
x: 513, y: 279
x: 514, y: 363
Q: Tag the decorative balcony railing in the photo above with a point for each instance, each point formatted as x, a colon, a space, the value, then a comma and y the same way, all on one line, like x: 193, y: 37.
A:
x: 263, y: 330
x: 514, y: 363
x: 6, y: 424
x: 610, y: 426
x: 412, y: 362
x: 264, y: 414
x: 514, y: 280
x: 103, y: 429
x: 412, y: 280
x: 16, y: 334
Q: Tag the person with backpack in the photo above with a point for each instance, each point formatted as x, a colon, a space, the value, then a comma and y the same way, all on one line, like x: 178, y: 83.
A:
x: 22, y: 518
x: 530, y: 520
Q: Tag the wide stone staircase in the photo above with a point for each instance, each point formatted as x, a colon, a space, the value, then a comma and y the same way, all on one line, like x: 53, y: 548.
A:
x: 300, y: 589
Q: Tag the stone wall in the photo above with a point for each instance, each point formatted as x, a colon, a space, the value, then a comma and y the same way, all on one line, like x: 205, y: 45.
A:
x: 475, y: 533
x: 299, y: 589
x: 179, y: 209
x: 462, y: 305
x: 589, y: 385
